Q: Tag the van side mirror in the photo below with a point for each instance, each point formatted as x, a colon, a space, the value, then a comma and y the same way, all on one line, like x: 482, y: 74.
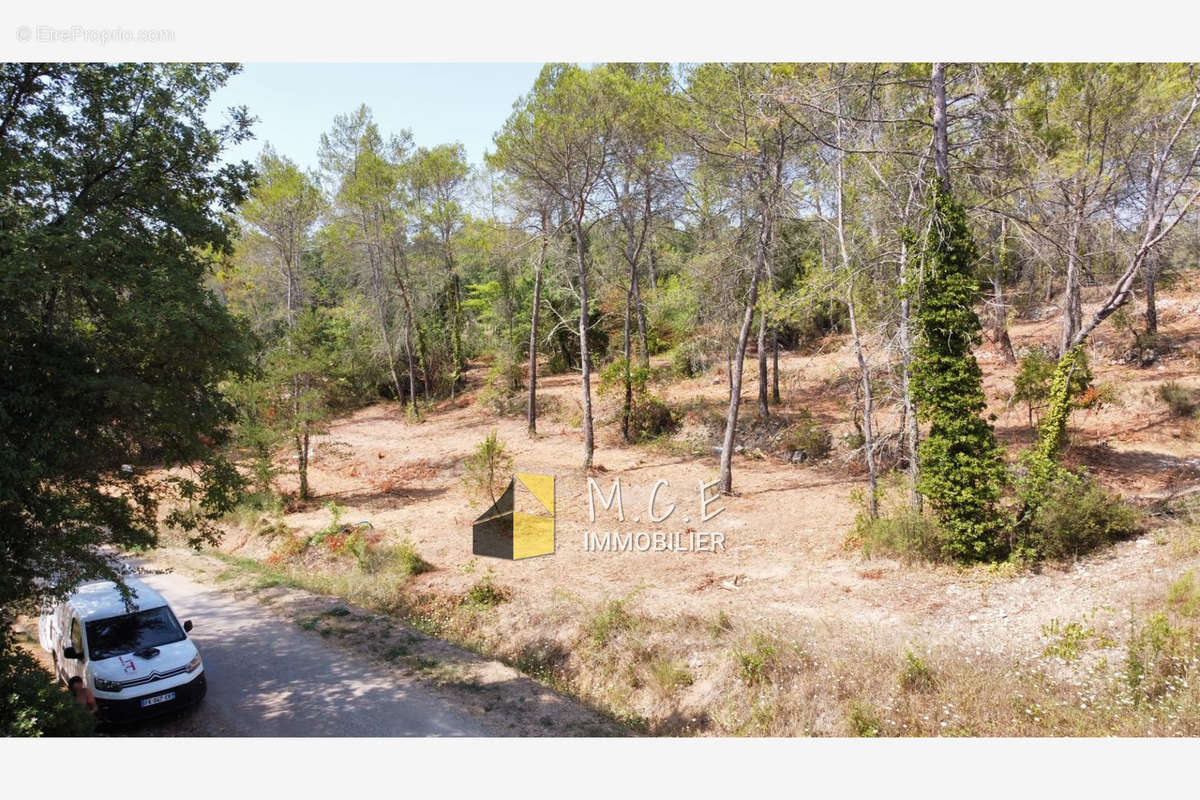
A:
x: 72, y: 653
x: 187, y: 625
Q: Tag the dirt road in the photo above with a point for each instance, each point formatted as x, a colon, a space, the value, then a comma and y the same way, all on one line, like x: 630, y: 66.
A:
x: 266, y: 677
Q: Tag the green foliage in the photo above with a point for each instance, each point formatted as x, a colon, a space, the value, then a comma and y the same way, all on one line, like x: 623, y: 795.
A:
x: 1160, y: 658
x: 115, y: 214
x: 756, y: 660
x: 1069, y: 640
x: 864, y: 720
x: 807, y: 436
x: 488, y: 468
x: 1032, y: 382
x: 1178, y: 399
x: 962, y: 471
x: 650, y: 417
x: 689, y: 359
x: 672, y: 309
x: 670, y: 675
x: 613, y: 619
x: 501, y: 392
x: 905, y: 533
x: 405, y: 559
x: 484, y: 593
x: 31, y: 701
x: 1073, y: 515
x: 915, y: 674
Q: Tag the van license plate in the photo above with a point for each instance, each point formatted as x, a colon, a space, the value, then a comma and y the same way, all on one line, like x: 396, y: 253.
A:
x: 158, y: 698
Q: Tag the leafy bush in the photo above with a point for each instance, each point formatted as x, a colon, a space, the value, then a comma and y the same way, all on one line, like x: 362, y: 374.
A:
x: 1073, y: 516
x: 650, y: 417
x: 405, y: 559
x: 485, y: 593
x: 915, y: 674
x: 904, y: 533
x: 670, y: 675
x: 806, y: 436
x: 501, y: 392
x: 672, y: 308
x: 291, y: 547
x: 1032, y: 382
x: 756, y: 661
x: 1177, y: 398
x: 689, y: 359
x: 864, y: 720
x: 486, y: 470
x: 31, y: 702
x: 612, y: 619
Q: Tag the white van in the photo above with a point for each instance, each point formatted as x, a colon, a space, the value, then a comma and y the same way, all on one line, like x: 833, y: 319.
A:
x: 139, y: 663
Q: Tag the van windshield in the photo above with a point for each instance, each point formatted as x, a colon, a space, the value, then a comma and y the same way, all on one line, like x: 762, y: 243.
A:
x: 117, y: 636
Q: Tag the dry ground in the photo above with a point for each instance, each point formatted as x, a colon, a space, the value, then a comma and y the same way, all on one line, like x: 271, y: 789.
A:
x: 786, y: 631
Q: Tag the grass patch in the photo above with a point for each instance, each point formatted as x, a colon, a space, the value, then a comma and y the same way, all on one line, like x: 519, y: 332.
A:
x: 670, y: 675
x: 613, y: 619
x: 485, y: 593
x: 756, y: 659
x: 915, y: 674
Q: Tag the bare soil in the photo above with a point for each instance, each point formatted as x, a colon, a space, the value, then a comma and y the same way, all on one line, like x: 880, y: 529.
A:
x: 785, y: 567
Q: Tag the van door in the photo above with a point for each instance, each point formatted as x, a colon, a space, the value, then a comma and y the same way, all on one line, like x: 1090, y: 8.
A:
x: 72, y: 666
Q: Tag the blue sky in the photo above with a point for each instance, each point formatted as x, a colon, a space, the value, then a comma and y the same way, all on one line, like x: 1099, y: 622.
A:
x: 296, y: 103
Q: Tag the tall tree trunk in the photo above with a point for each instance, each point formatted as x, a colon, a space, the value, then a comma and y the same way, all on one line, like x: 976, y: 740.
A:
x: 1150, y: 285
x: 585, y: 364
x: 643, y: 347
x: 736, y: 366
x: 941, y: 139
x: 1072, y: 305
x: 764, y: 409
x: 775, y: 369
x: 533, y: 330
x: 999, y: 304
x: 912, y: 430
x: 384, y: 333
x: 302, y: 462
x: 868, y: 408
x: 402, y: 284
x: 627, y: 407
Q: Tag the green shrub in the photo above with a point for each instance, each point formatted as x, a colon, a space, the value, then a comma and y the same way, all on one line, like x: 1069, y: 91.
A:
x: 487, y: 469
x: 31, y: 701
x: 670, y: 675
x: 614, y: 618
x: 1032, y: 382
x: 557, y: 364
x: 485, y: 593
x: 807, y: 436
x: 402, y: 558
x: 756, y: 661
x: 1159, y: 658
x: 915, y: 674
x: 864, y: 720
x: 689, y: 360
x: 1076, y: 515
x: 1177, y: 398
x: 650, y: 417
x: 501, y: 392
x: 904, y: 533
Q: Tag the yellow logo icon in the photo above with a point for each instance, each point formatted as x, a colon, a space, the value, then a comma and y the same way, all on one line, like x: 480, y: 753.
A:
x: 521, y: 523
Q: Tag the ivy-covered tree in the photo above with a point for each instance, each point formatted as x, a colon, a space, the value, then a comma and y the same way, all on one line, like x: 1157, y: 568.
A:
x: 962, y: 470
